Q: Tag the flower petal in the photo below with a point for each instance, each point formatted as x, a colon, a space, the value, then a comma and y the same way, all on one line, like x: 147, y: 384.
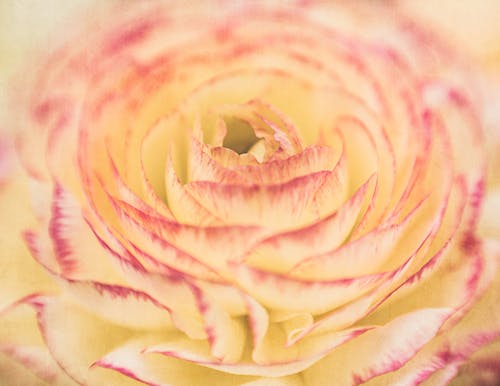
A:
x: 394, y: 343
x: 285, y: 293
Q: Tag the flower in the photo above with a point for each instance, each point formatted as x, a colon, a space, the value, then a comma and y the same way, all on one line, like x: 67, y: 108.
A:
x: 252, y: 194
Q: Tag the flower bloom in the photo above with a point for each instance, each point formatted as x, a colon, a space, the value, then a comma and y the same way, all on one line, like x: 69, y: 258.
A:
x: 254, y: 194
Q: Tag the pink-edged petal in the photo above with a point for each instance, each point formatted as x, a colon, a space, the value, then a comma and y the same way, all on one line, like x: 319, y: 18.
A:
x: 334, y: 190
x: 457, y: 111
x: 76, y: 339
x: 482, y: 367
x: 124, y: 192
x: 40, y: 247
x: 162, y: 256
x: 281, y: 252
x: 283, y: 292
x: 229, y: 297
x: 144, y: 248
x: 273, y: 205
x: 394, y: 344
x: 38, y: 361
x: 434, y: 249
x: 368, y: 150
x: 206, y: 168
x: 172, y: 290
x: 228, y: 158
x: 479, y: 328
x: 258, y: 320
x: 132, y: 361
x: 213, y: 246
x: 226, y: 335
x: 311, y: 160
x: 151, y: 196
x: 361, y: 256
x: 354, y: 311
x: 294, y: 363
x: 119, y: 305
x: 20, y: 274
x: 166, y: 286
x: 77, y: 251
x: 22, y: 350
x: 202, y: 167
x: 409, y: 276
x: 184, y: 207
x: 12, y: 373
x: 464, y: 283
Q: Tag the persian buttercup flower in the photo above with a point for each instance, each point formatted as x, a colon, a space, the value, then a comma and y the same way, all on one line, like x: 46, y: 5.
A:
x: 238, y: 193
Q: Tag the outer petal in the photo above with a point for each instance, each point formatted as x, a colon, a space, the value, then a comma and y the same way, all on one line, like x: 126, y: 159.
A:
x: 20, y: 275
x: 394, y: 344
x: 442, y: 358
x: 23, y: 355
x: 155, y: 370
x: 76, y: 339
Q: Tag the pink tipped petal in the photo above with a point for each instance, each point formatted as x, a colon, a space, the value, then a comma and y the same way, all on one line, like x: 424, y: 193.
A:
x: 132, y: 361
x: 225, y: 334
x: 334, y: 190
x: 351, y: 258
x: 228, y: 158
x: 226, y: 243
x: 161, y: 256
x: 151, y: 196
x: 229, y: 297
x: 40, y: 247
x: 395, y: 343
x: 350, y: 313
x: 164, y: 285
x: 452, y: 348
x: 125, y: 193
x: 282, y: 292
x: 296, y: 362
x: 76, y: 250
x: 311, y: 160
x: 14, y: 374
x: 173, y: 292
x: 258, y: 320
x: 456, y: 110
x: 184, y: 207
x: 20, y: 274
x: 85, y: 337
x: 119, y: 305
x: 38, y: 361
x: 202, y: 167
x: 24, y: 359
x: 273, y: 205
x: 281, y: 252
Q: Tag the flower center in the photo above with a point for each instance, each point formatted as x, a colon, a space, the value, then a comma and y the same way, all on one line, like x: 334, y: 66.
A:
x: 240, y: 136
